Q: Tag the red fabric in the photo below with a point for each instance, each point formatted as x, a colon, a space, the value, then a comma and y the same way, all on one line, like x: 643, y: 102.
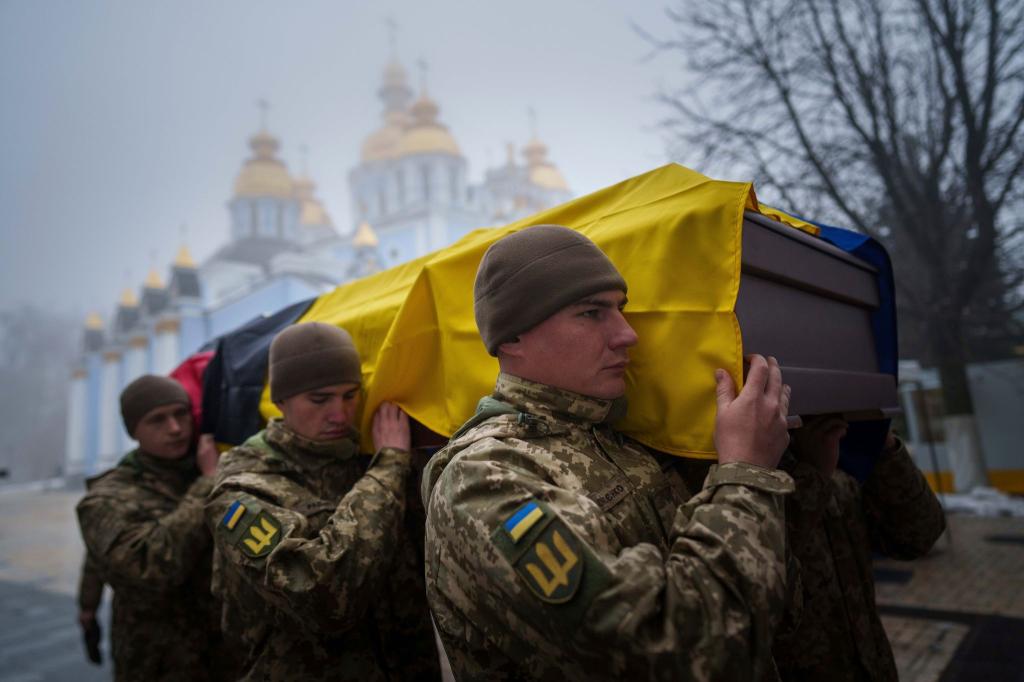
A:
x: 190, y: 375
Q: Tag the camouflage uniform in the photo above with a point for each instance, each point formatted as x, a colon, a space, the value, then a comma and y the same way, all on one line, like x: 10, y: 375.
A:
x: 90, y: 585
x: 557, y: 548
x: 313, y: 560
x: 834, y: 525
x: 143, y: 526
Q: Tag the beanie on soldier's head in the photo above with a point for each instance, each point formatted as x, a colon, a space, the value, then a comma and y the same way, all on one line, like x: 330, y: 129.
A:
x: 311, y: 355
x: 146, y: 393
x: 530, y: 275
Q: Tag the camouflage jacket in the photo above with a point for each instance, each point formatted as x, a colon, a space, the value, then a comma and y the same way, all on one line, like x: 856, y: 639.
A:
x: 144, y: 531
x: 90, y: 585
x: 558, y: 549
x: 834, y: 525
x: 313, y: 560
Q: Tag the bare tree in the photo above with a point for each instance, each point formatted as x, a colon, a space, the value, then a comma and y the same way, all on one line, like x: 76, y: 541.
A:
x: 899, y: 118
x: 36, y: 356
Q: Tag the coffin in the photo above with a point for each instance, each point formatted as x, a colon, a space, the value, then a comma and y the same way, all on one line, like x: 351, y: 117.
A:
x: 809, y: 304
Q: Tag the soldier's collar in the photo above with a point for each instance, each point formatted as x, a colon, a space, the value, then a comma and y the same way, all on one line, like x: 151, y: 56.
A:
x: 322, y: 452
x: 535, y: 398
x: 184, y: 467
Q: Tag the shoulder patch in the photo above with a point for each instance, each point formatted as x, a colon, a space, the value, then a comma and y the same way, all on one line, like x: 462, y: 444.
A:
x: 233, y: 515
x: 546, y: 555
x: 261, y: 535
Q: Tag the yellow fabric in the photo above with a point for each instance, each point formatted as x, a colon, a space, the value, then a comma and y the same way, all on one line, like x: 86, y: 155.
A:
x: 673, y: 233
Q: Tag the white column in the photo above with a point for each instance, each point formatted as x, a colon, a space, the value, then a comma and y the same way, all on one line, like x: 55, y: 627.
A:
x: 965, y: 456
x: 74, y: 436
x: 110, y: 410
x: 135, y: 359
x: 165, y: 345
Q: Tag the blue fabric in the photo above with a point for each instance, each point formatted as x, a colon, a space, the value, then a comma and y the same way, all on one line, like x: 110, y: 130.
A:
x: 864, y: 440
x: 233, y: 381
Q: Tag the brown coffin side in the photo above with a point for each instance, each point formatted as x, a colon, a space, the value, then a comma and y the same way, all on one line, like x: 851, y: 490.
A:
x: 809, y: 304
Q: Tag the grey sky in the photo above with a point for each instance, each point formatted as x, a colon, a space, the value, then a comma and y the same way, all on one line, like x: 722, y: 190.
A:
x: 122, y: 121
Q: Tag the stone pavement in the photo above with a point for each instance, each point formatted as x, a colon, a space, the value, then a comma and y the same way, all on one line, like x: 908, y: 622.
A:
x: 40, y: 554
x: 957, y: 614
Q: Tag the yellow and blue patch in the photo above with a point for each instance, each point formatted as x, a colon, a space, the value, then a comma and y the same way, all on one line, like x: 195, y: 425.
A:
x: 545, y: 553
x: 523, y: 520
x: 233, y: 515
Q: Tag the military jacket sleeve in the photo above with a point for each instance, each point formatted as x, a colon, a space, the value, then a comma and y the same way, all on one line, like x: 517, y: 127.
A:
x: 90, y: 586
x: 324, y: 575
x: 133, y: 546
x: 902, y: 514
x: 565, y: 595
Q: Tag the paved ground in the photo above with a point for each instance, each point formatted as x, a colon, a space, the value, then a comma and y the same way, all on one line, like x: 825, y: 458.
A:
x: 40, y: 553
x: 956, y: 615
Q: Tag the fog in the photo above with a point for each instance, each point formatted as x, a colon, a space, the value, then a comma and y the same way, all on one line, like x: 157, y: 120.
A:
x: 123, y: 124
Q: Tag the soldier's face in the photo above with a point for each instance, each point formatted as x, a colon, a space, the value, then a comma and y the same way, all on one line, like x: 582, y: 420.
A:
x: 322, y: 414
x: 581, y: 348
x: 166, y: 431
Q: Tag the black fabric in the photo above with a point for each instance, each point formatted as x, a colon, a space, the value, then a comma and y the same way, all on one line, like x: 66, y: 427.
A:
x: 234, y: 380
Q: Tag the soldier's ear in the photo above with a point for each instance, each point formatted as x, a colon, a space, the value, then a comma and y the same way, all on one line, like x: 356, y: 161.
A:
x: 512, y: 349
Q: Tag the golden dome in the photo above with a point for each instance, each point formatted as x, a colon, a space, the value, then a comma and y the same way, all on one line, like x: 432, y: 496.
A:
x: 543, y: 173
x: 128, y: 298
x: 264, y: 174
x: 94, y: 322
x: 312, y: 212
x: 153, y: 280
x: 548, y: 177
x: 425, y: 135
x: 365, y: 237
x: 184, y: 258
x: 383, y: 143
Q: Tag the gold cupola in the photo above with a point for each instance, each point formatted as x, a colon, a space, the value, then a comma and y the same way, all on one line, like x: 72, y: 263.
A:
x: 312, y: 212
x: 128, y: 298
x: 425, y: 134
x: 94, y: 322
x: 365, y: 237
x: 263, y: 174
x: 184, y: 259
x: 153, y: 280
x: 542, y: 172
x: 394, y: 92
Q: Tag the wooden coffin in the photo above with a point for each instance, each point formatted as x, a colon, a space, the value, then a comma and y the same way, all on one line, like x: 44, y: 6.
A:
x: 809, y: 304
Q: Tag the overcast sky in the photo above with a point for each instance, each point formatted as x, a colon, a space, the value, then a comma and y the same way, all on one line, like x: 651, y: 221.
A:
x: 121, y: 122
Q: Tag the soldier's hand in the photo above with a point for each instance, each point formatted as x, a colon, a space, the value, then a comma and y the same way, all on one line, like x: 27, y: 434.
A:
x: 751, y: 427
x: 207, y: 455
x: 92, y: 635
x: 391, y: 428
x: 817, y: 443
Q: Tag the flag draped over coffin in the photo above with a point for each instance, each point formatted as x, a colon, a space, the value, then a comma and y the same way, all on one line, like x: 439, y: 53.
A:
x: 674, y: 234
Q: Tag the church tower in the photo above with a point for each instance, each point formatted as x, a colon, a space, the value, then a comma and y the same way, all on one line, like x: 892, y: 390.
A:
x: 411, y: 183
x: 264, y: 205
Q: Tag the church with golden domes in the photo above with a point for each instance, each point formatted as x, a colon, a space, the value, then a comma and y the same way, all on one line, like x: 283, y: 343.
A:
x: 410, y: 194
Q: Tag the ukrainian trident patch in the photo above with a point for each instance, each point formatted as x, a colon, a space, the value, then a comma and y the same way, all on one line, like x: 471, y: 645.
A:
x: 546, y: 555
x: 260, y: 536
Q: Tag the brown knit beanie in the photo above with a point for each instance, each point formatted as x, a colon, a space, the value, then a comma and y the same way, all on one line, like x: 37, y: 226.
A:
x: 528, y: 276
x: 146, y: 393
x: 311, y: 355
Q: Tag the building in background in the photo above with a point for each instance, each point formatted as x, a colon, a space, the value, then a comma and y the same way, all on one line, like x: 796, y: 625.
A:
x: 411, y: 194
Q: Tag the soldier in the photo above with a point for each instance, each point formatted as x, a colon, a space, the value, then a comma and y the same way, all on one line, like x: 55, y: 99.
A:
x: 143, y: 527
x: 314, y: 561
x: 834, y: 523
x: 556, y: 548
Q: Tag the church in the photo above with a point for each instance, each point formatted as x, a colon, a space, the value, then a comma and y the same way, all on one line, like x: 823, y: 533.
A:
x: 411, y: 193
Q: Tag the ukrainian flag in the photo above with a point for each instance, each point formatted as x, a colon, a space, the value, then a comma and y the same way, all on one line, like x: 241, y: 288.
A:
x: 233, y: 515
x: 523, y: 520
